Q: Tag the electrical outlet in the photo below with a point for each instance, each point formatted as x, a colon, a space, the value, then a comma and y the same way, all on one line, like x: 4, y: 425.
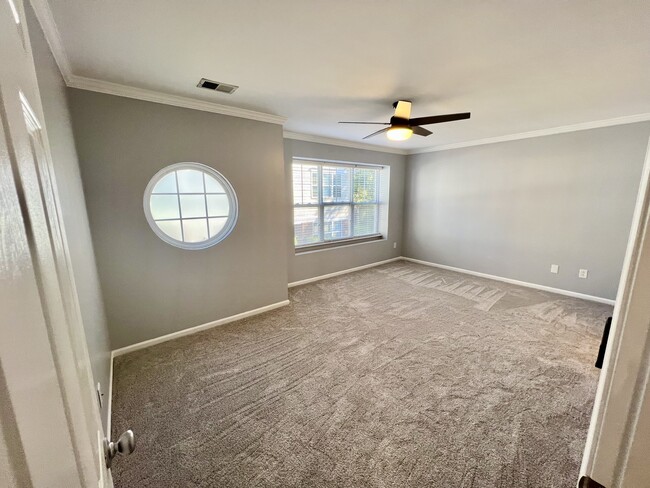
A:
x: 555, y: 269
x: 394, y: 245
x: 583, y: 273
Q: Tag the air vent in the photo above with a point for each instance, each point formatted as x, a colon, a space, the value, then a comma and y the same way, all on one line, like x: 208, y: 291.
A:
x: 216, y: 86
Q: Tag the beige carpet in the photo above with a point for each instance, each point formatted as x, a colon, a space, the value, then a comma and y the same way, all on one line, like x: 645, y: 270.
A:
x: 397, y: 376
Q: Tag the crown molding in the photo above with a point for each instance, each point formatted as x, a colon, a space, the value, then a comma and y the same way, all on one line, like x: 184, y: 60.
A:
x: 53, y: 37
x: 120, y: 90
x: 297, y: 136
x: 596, y: 124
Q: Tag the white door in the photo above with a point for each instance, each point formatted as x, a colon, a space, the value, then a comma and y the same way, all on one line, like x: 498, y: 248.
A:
x: 50, y: 428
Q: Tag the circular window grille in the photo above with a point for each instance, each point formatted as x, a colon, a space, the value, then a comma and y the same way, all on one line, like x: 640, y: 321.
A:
x: 190, y: 205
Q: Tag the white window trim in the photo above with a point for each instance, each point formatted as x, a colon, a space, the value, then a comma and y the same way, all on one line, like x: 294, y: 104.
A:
x: 333, y: 243
x: 217, y: 238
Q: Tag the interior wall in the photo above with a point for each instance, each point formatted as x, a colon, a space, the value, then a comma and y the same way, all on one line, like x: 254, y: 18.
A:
x: 151, y: 288
x: 512, y: 209
x: 317, y: 263
x: 73, y: 205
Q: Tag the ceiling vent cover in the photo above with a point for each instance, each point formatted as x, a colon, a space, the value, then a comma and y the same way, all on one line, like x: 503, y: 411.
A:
x: 217, y: 86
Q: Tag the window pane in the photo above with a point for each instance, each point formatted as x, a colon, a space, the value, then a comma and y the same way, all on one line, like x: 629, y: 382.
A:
x: 218, y: 205
x: 190, y: 181
x: 179, y: 198
x: 193, y: 206
x: 305, y: 226
x: 212, y: 185
x: 365, y: 184
x: 305, y: 183
x: 172, y: 228
x: 333, y: 187
x: 365, y: 220
x: 195, y: 230
x: 164, y: 207
x: 337, y: 222
x: 167, y: 184
x: 216, y: 225
x: 336, y: 184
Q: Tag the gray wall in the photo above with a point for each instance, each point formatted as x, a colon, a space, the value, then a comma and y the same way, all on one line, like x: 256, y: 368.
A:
x: 317, y: 263
x: 151, y: 288
x: 512, y: 209
x: 64, y: 156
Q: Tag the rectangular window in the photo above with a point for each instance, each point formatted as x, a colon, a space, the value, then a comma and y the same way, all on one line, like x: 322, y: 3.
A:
x: 334, y: 202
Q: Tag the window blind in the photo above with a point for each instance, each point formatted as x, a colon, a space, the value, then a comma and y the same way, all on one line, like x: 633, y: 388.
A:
x: 334, y: 202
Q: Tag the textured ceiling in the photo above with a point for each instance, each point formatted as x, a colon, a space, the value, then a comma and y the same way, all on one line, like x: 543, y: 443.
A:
x: 517, y: 66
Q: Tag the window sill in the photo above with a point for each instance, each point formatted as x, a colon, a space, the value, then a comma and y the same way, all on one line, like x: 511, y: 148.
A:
x: 326, y: 246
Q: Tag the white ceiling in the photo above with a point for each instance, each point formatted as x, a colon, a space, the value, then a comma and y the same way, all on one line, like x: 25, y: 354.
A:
x: 518, y: 65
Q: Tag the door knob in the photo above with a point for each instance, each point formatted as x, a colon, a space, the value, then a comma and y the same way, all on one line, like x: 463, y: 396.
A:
x: 125, y: 445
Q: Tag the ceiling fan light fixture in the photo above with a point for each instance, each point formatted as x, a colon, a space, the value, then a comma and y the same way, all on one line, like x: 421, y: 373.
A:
x: 399, y: 133
x: 401, y: 126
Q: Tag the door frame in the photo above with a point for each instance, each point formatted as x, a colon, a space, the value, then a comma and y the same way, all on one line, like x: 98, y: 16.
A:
x: 617, y: 440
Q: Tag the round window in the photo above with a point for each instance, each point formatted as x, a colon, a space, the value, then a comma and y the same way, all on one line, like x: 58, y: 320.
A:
x: 190, y: 205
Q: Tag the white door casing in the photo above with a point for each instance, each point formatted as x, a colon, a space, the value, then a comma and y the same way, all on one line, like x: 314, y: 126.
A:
x: 51, y: 423
x: 618, y: 441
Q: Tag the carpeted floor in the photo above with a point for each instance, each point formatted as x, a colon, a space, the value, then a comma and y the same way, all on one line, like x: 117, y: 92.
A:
x: 396, y: 376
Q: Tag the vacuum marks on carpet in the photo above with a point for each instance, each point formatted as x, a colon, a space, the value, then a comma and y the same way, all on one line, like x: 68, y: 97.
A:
x: 396, y: 376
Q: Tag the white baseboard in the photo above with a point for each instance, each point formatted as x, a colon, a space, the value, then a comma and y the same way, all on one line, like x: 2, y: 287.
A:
x: 342, y: 272
x: 175, y: 335
x: 198, y: 328
x: 559, y: 291
x: 250, y: 313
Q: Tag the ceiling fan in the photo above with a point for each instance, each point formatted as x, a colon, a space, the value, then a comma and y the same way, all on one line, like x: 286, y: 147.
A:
x: 402, y: 126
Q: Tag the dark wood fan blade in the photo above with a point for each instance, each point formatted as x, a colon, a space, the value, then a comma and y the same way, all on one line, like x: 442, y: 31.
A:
x: 374, y: 123
x: 438, y: 119
x: 421, y: 131
x: 380, y: 131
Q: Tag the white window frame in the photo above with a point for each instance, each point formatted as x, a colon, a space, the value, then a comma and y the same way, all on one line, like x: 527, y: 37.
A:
x: 321, y: 205
x: 229, y: 192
